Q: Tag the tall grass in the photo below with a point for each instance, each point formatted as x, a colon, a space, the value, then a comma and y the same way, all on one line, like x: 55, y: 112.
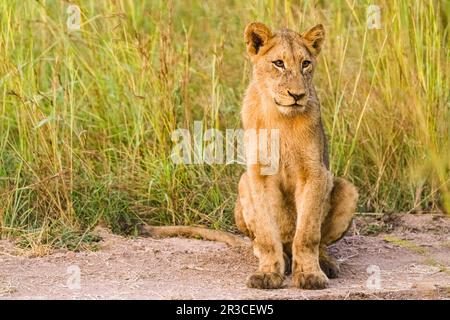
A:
x: 86, y: 116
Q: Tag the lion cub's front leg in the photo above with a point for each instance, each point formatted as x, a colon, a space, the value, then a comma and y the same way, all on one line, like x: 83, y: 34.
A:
x: 311, y: 202
x: 260, y: 200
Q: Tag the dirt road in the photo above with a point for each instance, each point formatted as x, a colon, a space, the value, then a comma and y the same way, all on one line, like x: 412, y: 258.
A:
x: 408, y: 258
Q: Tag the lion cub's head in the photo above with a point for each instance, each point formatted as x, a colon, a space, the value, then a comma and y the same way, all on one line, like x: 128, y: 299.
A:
x: 283, y: 64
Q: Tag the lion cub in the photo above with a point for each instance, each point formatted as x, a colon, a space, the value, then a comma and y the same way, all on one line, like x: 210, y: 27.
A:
x: 294, y: 214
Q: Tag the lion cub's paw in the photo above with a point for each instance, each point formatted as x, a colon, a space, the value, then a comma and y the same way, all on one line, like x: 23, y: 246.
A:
x: 330, y: 267
x: 262, y: 280
x: 310, y: 280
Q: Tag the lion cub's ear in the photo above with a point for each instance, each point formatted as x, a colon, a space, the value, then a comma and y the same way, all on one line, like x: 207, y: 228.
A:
x: 314, y: 38
x: 256, y: 36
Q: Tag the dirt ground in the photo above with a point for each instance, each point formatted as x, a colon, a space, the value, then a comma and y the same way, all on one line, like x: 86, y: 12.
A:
x: 394, y: 257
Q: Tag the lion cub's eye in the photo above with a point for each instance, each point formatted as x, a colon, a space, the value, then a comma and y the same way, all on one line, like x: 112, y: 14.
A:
x: 279, y: 63
x: 305, y: 64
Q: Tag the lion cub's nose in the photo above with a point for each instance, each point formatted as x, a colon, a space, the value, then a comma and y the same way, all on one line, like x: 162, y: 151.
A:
x: 296, y: 96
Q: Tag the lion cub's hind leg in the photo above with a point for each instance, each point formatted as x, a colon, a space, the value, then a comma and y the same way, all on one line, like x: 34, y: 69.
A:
x: 287, y: 255
x: 327, y: 263
x: 239, y: 219
x: 243, y: 210
x: 342, y: 208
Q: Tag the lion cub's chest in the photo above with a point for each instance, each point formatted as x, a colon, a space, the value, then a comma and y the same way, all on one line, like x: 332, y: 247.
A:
x: 290, y: 177
x: 292, y: 167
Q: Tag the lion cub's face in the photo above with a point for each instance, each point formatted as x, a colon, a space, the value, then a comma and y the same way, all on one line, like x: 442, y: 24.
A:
x: 283, y: 64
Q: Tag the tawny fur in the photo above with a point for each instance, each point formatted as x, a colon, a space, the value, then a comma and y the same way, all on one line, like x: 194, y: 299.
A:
x: 194, y: 232
x: 291, y: 215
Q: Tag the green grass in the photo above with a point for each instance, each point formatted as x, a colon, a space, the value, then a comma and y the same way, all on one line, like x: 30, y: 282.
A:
x: 407, y: 244
x: 86, y: 116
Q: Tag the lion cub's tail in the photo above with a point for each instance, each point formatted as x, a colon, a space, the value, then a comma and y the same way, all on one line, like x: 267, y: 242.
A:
x: 195, y: 232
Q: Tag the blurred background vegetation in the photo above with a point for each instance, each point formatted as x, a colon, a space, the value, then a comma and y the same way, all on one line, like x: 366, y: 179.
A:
x: 86, y: 116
